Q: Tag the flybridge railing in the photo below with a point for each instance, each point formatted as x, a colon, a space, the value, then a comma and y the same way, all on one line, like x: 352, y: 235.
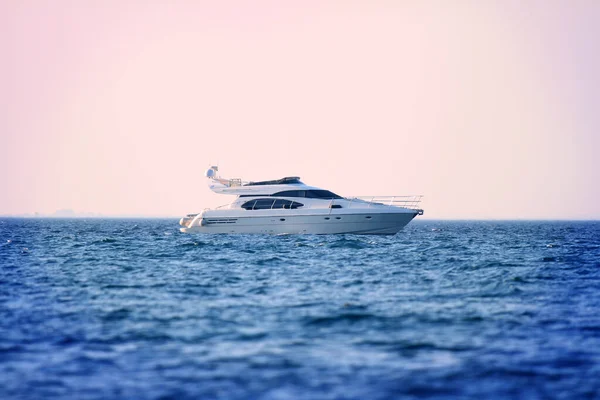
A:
x: 410, y: 202
x: 235, y: 182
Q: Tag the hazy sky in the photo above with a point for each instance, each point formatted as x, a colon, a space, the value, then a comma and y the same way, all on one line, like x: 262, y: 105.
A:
x: 491, y: 109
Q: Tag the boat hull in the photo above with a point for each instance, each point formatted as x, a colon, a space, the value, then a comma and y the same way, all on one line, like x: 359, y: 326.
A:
x: 285, y: 223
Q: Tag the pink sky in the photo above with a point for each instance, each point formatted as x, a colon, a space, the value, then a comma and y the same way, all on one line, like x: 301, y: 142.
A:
x: 488, y: 108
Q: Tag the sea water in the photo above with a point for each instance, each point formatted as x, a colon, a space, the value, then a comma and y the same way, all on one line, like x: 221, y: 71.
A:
x: 134, y: 309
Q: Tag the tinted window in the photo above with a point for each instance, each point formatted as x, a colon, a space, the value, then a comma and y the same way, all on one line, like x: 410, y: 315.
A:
x: 295, y: 205
x: 258, y: 204
x: 264, y: 204
x: 321, y: 194
x: 267, y: 204
x: 280, y: 203
x: 291, y: 193
x: 249, y: 205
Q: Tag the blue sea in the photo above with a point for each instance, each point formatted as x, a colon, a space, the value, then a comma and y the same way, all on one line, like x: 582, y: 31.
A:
x: 134, y: 309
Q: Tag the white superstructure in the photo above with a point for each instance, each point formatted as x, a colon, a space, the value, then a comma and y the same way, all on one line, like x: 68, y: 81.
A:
x: 288, y: 206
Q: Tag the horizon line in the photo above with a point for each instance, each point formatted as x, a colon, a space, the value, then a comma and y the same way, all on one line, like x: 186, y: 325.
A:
x: 134, y: 216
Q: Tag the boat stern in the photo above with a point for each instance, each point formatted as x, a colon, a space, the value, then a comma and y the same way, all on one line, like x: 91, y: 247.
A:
x: 190, y: 221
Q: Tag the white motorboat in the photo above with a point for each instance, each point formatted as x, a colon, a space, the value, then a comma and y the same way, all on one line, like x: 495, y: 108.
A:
x: 288, y: 206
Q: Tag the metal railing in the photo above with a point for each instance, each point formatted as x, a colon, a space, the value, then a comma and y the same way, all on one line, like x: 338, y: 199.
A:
x: 410, y: 202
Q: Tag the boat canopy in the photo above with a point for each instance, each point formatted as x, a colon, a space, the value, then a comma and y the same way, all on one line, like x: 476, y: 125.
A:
x: 288, y: 180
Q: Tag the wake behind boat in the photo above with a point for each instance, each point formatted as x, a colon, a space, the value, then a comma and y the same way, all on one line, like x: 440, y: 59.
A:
x: 288, y: 206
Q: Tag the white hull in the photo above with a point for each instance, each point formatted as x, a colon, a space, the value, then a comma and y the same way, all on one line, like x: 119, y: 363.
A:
x: 287, y: 223
x: 288, y: 206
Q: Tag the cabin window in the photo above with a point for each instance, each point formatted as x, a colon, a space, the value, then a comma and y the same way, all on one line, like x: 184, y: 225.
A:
x: 311, y: 194
x: 268, y: 204
x: 321, y: 194
x: 291, y: 193
x: 264, y: 204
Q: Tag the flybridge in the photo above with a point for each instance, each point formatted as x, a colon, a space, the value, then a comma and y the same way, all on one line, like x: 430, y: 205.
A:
x: 288, y: 180
x: 239, y: 187
x: 212, y: 172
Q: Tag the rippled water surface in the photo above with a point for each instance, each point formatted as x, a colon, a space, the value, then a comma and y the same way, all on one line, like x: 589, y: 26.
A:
x: 98, y: 309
